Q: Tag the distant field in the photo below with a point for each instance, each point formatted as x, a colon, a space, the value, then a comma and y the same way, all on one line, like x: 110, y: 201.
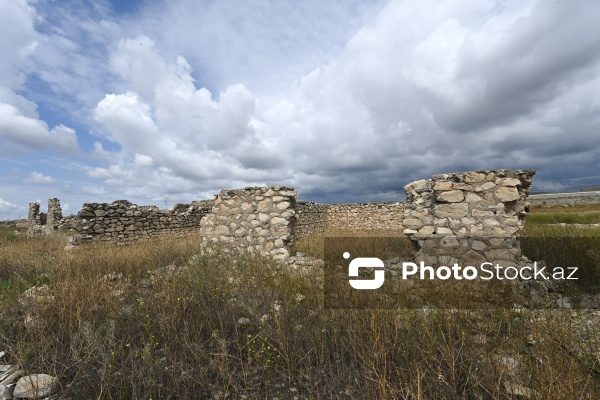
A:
x: 569, y: 214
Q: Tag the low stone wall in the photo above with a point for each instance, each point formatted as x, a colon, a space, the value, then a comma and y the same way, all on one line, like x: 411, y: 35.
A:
x: 314, y: 218
x: 469, y: 217
x: 122, y: 222
x: 258, y: 220
x: 311, y: 219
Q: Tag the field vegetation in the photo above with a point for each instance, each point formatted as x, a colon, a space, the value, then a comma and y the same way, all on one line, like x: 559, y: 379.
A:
x: 156, y: 320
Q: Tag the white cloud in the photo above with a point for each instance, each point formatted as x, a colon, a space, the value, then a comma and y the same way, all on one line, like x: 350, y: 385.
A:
x: 137, y: 62
x: 18, y: 38
x: 99, y: 153
x: 99, y: 173
x: 265, y: 45
x: 21, y: 133
x: 7, y: 205
x: 39, y: 178
x: 93, y: 190
x: 142, y: 160
x: 176, y: 128
x: 332, y: 98
x: 21, y: 130
x: 397, y: 102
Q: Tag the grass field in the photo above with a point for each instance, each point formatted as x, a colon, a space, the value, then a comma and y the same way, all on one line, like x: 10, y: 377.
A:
x: 224, y: 328
x: 573, y: 214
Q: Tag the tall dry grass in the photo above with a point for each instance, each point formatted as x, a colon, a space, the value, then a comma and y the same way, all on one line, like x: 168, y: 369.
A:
x: 230, y: 328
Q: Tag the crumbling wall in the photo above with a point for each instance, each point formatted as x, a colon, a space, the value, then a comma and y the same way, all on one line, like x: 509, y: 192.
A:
x: 311, y: 219
x: 469, y: 217
x: 54, y: 215
x: 459, y: 217
x: 258, y: 220
x: 122, y: 222
x: 314, y: 218
x: 36, y: 220
x: 33, y: 216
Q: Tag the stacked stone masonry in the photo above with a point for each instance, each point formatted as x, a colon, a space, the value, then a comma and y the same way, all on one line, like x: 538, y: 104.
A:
x: 36, y: 221
x: 122, y: 222
x: 257, y: 220
x: 33, y: 217
x: 314, y: 218
x: 468, y: 218
x: 54, y: 215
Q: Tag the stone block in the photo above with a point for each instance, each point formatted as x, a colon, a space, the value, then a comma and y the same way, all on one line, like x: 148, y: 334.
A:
x: 413, y: 223
x: 509, y: 182
x: 473, y: 198
x: 478, y: 245
x: 427, y: 230
x: 452, y: 210
x: 507, y: 194
x: 283, y: 205
x: 474, y: 177
x: 443, y: 231
x: 449, y: 242
x: 482, y: 214
x: 417, y: 186
x: 485, y: 186
x: 443, y: 185
x: 452, y: 196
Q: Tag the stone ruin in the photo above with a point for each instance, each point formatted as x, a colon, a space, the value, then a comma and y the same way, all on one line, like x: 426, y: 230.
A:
x: 258, y: 220
x: 468, y: 217
x: 123, y: 222
x: 40, y: 223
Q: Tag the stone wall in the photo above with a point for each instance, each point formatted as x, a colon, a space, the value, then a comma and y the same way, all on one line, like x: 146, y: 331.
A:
x: 33, y: 215
x: 468, y: 217
x: 54, y: 215
x: 314, y: 218
x: 121, y: 222
x: 458, y: 217
x: 258, y: 220
x: 36, y: 220
x: 311, y: 219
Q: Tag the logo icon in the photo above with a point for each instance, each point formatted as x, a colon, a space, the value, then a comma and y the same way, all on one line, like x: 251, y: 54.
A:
x: 365, y: 262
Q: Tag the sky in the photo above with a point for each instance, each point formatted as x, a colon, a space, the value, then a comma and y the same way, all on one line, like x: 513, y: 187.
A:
x: 165, y: 102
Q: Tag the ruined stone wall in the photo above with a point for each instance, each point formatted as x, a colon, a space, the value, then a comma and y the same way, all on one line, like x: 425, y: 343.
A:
x: 314, y: 218
x: 458, y: 217
x: 33, y: 215
x: 469, y: 217
x: 311, y: 219
x: 36, y: 220
x: 54, y: 215
x: 258, y: 220
x: 122, y: 222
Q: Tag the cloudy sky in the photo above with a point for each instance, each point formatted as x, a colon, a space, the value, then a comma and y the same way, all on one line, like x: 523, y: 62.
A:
x: 345, y: 100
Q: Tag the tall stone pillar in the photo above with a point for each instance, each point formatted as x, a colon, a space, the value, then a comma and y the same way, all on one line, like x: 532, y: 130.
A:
x: 33, y: 217
x: 54, y: 215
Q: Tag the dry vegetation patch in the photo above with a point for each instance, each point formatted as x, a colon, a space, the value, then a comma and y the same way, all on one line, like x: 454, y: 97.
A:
x: 156, y: 320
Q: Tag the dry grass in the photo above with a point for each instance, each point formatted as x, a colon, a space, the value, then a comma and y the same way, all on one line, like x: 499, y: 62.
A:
x: 569, y: 214
x: 234, y: 328
x: 314, y: 245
